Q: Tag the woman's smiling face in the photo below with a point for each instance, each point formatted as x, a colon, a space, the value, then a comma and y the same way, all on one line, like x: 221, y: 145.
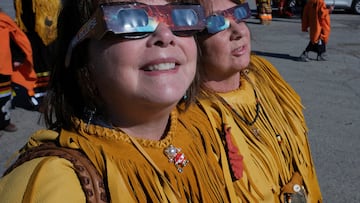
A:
x: 154, y: 71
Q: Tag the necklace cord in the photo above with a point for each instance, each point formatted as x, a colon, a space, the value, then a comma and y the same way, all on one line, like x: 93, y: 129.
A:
x: 245, y: 74
x: 258, y: 105
x: 257, y: 110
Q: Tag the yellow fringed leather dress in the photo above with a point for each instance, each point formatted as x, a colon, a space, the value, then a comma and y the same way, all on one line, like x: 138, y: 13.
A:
x: 136, y: 170
x: 274, y: 147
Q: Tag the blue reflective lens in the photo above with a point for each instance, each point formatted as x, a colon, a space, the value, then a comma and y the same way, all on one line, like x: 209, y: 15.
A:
x: 241, y: 13
x: 216, y: 24
x: 184, y: 17
x: 221, y: 20
x: 132, y: 18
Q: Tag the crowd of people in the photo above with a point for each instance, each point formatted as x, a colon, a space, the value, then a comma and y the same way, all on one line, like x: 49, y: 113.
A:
x: 163, y: 101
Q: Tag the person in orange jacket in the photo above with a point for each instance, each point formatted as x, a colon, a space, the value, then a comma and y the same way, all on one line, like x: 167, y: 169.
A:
x: 16, y: 66
x: 316, y: 21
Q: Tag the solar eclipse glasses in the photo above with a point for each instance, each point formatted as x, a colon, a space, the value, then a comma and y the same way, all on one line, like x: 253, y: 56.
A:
x: 220, y: 21
x: 137, y: 20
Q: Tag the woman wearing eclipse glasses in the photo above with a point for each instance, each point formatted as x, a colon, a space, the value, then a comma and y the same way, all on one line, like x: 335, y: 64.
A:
x: 121, y: 70
x: 257, y: 115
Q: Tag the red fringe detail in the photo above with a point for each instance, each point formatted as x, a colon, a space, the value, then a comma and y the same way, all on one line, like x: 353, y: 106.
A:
x: 234, y: 156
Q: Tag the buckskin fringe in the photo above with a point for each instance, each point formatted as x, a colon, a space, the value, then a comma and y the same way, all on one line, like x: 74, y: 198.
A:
x: 296, y: 130
x: 280, y: 149
x: 128, y: 171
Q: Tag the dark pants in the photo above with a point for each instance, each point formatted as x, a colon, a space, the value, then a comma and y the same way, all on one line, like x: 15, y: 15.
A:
x: 319, y: 48
x: 5, y: 100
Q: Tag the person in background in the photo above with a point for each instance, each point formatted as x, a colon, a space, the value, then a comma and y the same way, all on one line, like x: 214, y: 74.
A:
x: 316, y: 21
x: 16, y: 67
x: 121, y: 71
x: 264, y: 10
x: 38, y: 20
x: 287, y: 8
x: 257, y: 115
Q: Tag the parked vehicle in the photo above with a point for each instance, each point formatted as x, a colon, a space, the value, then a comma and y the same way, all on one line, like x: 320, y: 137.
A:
x: 353, y: 5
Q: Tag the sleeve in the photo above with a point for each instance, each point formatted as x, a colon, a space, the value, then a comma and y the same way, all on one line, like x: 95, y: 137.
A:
x: 46, y: 179
x: 324, y: 18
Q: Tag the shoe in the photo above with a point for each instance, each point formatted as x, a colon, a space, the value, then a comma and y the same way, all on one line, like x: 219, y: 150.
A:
x: 10, y: 128
x: 304, y: 57
x: 321, y: 57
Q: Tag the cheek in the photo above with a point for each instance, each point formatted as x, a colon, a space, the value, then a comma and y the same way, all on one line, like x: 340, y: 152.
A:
x: 190, y: 50
x: 247, y: 34
x: 213, y: 48
x: 189, y: 47
x: 105, y: 62
x: 107, y: 57
x: 219, y: 41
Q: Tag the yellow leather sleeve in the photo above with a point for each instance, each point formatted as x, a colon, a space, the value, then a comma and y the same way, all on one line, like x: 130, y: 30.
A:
x: 45, y: 179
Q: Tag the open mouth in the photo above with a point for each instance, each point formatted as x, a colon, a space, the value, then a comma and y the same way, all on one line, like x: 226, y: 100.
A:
x: 160, y: 67
x: 238, y: 51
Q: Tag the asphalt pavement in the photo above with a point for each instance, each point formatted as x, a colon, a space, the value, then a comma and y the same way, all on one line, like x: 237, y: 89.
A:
x: 330, y: 92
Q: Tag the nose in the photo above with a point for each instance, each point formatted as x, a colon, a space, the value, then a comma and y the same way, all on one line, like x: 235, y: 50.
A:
x: 162, y: 36
x: 237, y: 30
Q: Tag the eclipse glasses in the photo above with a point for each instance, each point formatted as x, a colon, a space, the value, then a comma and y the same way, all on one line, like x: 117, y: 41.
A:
x: 220, y: 21
x: 137, y: 20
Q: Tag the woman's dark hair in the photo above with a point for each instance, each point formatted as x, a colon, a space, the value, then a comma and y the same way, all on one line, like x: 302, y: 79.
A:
x: 71, y: 89
x: 66, y: 97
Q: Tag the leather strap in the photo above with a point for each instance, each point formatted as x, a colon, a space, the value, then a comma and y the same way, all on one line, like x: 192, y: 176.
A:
x: 90, y: 179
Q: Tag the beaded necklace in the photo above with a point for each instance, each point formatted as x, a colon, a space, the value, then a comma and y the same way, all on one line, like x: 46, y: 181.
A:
x: 258, y: 107
x: 255, y: 131
x: 249, y: 123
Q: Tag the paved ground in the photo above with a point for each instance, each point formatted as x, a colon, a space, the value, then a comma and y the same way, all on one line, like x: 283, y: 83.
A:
x: 330, y: 91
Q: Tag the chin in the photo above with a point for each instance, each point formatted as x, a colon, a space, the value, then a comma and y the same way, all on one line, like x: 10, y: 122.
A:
x: 169, y: 99
x: 245, y: 61
x: 243, y: 65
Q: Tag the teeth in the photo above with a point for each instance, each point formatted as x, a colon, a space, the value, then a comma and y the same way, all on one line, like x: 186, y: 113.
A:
x: 162, y: 66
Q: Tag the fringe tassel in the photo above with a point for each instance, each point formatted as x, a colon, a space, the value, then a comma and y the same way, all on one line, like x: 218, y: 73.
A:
x: 268, y: 162
x: 157, y: 180
x: 46, y: 17
x: 18, y: 13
